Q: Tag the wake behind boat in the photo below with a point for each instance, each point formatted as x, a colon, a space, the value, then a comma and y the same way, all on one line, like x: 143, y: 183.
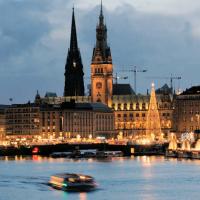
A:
x: 72, y: 182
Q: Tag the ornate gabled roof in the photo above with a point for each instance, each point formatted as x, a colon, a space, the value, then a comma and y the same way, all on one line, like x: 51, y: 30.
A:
x: 165, y: 89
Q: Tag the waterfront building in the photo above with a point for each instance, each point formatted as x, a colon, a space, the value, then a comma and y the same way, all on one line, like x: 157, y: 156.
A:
x: 131, y: 113
x: 72, y: 120
x: 22, y: 121
x: 187, y: 111
x: 74, y: 84
x: 2, y: 122
x: 52, y: 121
x: 130, y: 109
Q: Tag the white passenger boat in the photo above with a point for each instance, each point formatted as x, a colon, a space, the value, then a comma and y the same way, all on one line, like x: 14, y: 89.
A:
x: 72, y: 182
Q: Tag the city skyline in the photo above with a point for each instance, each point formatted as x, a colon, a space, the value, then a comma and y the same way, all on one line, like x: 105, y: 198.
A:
x: 35, y: 37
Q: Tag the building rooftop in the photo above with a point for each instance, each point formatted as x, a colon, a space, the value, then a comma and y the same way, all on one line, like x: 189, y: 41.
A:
x: 22, y: 105
x: 98, y: 107
x: 122, y: 89
x: 165, y: 89
x: 3, y: 106
x: 50, y: 94
x: 192, y: 90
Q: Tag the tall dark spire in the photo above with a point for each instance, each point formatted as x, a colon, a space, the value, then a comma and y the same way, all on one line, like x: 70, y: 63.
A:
x: 74, y: 84
x: 73, y: 42
x: 101, y: 52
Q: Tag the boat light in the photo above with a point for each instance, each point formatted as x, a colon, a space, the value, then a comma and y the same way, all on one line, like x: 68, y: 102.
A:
x: 82, y: 177
x: 64, y: 184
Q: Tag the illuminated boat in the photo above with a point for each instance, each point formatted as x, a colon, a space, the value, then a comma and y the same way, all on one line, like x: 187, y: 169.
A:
x: 72, y: 182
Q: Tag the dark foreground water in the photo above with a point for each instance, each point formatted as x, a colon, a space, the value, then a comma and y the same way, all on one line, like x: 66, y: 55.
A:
x: 148, y: 178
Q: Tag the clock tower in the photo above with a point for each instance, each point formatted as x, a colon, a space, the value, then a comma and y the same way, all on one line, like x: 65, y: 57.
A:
x: 101, y: 66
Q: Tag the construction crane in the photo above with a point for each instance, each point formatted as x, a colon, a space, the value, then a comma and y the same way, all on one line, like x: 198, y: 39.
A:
x: 171, y: 78
x: 119, y: 77
x: 135, y: 70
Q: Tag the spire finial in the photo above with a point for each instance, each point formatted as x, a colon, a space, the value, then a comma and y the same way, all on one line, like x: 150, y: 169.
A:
x: 101, y: 8
x: 73, y: 42
x: 101, y: 14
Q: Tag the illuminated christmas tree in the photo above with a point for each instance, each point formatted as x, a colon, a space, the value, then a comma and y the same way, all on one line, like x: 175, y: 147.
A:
x: 153, y: 128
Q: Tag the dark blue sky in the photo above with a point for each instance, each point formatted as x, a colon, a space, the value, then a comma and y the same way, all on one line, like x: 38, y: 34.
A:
x: 163, y: 36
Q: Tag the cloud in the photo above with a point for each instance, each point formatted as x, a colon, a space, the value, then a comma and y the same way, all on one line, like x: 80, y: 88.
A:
x: 34, y: 37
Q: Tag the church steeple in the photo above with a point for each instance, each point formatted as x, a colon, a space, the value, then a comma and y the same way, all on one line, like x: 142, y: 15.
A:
x: 101, y: 52
x: 74, y: 84
x: 73, y: 41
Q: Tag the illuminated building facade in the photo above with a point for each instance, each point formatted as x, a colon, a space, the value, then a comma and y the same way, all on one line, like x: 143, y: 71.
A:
x: 23, y: 120
x: 70, y: 119
x: 131, y: 113
x: 53, y: 121
x: 2, y: 122
x: 187, y: 111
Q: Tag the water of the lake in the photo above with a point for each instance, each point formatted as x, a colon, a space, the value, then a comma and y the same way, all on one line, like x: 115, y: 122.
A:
x: 149, y: 178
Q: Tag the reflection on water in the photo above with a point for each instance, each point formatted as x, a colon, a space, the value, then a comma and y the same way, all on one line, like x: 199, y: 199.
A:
x: 151, y: 178
x: 83, y: 196
x: 148, y: 161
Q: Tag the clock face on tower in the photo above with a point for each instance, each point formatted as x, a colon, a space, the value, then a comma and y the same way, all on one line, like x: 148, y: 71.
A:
x: 98, y: 85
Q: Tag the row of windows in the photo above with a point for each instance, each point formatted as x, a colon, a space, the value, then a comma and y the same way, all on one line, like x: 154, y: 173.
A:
x: 191, y: 128
x: 48, y: 130
x: 22, y: 122
x: 140, y: 124
x: 195, y: 103
x: 138, y: 106
x: 131, y: 115
x: 21, y: 115
x: 25, y: 110
x: 25, y: 127
x: 98, y: 70
x: 125, y: 106
x: 166, y: 114
x: 190, y: 112
x: 24, y: 132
